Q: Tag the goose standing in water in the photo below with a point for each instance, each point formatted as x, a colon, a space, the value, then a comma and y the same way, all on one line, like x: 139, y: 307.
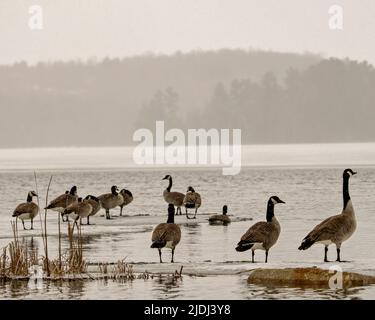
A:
x: 78, y: 210
x: 220, y: 218
x: 127, y: 196
x: 166, y: 235
x: 61, y: 202
x: 111, y: 200
x: 192, y: 200
x: 175, y: 198
x: 335, y: 229
x: 262, y: 235
x: 27, y: 210
x: 95, y: 204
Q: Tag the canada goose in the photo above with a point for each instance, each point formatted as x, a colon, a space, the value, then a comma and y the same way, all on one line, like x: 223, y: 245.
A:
x: 192, y: 200
x: 175, y: 198
x: 128, y: 197
x: 262, y: 235
x: 111, y: 200
x: 335, y: 229
x: 220, y: 218
x: 95, y: 204
x: 27, y: 210
x: 64, y: 200
x: 166, y: 234
x: 78, y: 210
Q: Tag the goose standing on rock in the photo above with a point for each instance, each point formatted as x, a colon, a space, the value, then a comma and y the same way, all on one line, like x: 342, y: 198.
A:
x: 262, y: 235
x: 166, y: 234
x: 61, y: 202
x: 127, y: 196
x: 95, y: 204
x: 78, y: 210
x: 335, y: 229
x: 192, y: 200
x: 27, y: 210
x: 111, y: 200
x: 220, y: 218
x: 175, y: 198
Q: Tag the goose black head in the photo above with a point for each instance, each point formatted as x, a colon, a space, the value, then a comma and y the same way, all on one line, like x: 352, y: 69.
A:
x: 114, y: 190
x: 167, y: 177
x: 30, y: 196
x: 275, y: 200
x: 348, y: 173
x: 33, y: 194
x: 67, y: 192
x: 225, y: 210
x: 190, y: 189
x: 90, y: 197
x: 73, y: 191
x: 79, y: 199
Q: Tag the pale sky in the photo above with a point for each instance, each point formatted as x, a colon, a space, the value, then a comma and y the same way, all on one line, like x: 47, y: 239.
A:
x: 84, y: 29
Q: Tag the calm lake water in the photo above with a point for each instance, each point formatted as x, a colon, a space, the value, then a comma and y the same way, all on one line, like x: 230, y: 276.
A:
x: 311, y: 193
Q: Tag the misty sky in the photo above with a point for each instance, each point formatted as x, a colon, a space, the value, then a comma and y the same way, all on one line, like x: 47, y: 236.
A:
x: 97, y: 28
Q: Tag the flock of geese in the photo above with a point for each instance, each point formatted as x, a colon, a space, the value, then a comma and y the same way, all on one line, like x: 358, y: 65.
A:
x: 261, y: 236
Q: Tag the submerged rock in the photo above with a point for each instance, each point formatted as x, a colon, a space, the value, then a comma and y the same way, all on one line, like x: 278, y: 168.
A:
x: 307, y: 277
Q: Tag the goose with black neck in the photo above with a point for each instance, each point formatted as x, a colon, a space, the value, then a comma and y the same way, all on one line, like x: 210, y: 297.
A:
x: 335, y: 229
x: 262, y: 235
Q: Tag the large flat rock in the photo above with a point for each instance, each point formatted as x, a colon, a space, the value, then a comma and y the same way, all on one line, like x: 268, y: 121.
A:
x: 307, y: 277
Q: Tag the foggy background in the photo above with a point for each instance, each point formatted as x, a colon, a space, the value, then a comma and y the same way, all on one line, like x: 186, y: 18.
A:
x: 101, y: 69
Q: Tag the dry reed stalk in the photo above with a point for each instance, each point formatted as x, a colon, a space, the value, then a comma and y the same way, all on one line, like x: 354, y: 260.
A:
x: 46, y: 260
x: 59, y: 230
x: 40, y: 216
x: 3, y: 260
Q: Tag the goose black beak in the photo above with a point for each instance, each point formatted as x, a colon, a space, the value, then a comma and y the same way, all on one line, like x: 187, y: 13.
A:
x: 354, y: 172
x: 281, y: 201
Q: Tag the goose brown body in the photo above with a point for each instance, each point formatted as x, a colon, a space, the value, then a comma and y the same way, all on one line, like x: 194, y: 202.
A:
x: 220, y: 218
x: 78, y: 210
x: 95, y: 204
x: 61, y: 202
x: 169, y: 233
x: 127, y: 198
x: 192, y: 200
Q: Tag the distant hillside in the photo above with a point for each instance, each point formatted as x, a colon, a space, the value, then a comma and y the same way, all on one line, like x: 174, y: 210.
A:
x: 102, y: 102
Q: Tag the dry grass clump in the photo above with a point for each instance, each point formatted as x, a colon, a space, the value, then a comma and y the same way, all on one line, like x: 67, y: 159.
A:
x: 16, y: 259
x: 119, y: 271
